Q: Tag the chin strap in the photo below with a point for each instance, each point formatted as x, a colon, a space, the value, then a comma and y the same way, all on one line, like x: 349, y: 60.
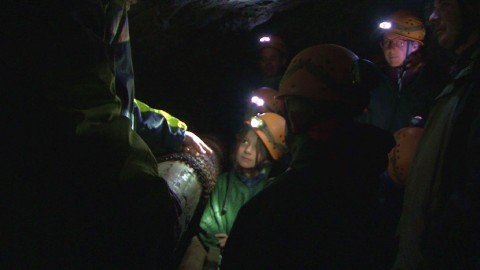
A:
x: 403, y: 68
x: 400, y: 74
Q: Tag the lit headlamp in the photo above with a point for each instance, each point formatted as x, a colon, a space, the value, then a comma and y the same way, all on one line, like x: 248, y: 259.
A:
x: 264, y: 39
x: 259, y: 124
x: 257, y: 101
x: 256, y: 122
x: 385, y: 25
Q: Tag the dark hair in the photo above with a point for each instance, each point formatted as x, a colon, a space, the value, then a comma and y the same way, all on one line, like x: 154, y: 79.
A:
x: 263, y: 156
x: 470, y: 11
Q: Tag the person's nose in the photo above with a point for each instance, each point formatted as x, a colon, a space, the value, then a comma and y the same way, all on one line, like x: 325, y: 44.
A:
x: 248, y: 149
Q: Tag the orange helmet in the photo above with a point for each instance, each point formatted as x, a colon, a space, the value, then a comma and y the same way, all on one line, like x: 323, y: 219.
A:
x: 264, y: 99
x: 271, y: 129
x: 401, y: 156
x: 273, y: 42
x: 326, y: 72
x: 405, y: 24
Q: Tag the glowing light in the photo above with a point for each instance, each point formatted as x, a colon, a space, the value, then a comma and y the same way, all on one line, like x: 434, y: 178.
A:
x: 258, y: 101
x: 256, y: 122
x: 265, y: 39
x: 385, y: 25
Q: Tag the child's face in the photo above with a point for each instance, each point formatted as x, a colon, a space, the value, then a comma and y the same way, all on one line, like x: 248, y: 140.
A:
x: 247, y: 151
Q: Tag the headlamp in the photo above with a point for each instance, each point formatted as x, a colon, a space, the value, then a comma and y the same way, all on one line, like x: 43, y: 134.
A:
x: 385, y: 25
x: 256, y: 122
x: 264, y: 39
x: 258, y: 101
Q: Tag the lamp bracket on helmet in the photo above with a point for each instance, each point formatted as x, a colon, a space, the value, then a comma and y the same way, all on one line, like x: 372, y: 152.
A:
x: 257, y: 123
x: 387, y: 25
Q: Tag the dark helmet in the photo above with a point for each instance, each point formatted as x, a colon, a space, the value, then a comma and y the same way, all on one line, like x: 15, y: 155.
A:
x: 329, y: 73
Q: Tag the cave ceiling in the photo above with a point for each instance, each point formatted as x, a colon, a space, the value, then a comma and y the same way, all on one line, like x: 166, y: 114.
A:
x: 228, y: 14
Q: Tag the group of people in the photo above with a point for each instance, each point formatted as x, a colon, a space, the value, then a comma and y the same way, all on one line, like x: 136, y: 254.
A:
x: 338, y: 205
x: 309, y: 185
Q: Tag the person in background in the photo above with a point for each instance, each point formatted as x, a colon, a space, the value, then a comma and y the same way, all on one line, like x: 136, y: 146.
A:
x: 441, y: 210
x: 259, y: 146
x: 268, y: 60
x: 263, y: 100
x: 272, y: 60
x: 410, y: 83
x: 318, y: 214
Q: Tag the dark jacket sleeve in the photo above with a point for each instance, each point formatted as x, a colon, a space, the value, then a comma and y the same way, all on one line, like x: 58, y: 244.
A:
x: 162, y: 132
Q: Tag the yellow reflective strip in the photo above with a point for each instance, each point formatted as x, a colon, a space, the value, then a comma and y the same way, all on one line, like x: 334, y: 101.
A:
x: 171, y: 120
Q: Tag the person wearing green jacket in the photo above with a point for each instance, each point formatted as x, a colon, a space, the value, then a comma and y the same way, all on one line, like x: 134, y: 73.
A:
x: 257, y: 148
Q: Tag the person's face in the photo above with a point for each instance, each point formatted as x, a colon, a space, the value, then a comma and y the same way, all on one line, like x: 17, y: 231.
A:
x: 247, y: 151
x: 446, y: 22
x: 270, y: 62
x: 394, y: 49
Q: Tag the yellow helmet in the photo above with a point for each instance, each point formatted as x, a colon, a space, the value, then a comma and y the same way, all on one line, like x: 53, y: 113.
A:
x: 326, y: 72
x: 271, y: 129
x: 405, y: 24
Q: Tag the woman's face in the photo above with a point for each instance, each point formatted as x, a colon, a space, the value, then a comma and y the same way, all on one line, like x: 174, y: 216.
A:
x: 246, y: 155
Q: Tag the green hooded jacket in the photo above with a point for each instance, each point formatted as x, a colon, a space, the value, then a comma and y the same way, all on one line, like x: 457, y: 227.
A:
x: 229, y: 195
